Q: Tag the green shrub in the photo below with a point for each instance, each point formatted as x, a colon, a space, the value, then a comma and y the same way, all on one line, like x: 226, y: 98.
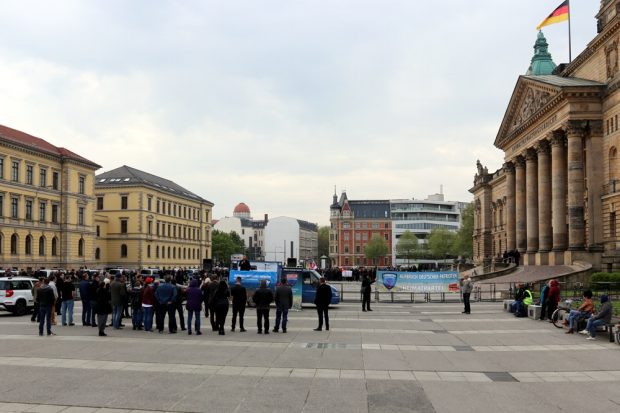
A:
x: 602, y: 280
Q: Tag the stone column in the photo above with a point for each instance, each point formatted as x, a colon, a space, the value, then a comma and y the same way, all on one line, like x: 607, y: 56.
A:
x: 558, y: 185
x: 595, y: 175
x: 576, y: 224
x: 511, y: 236
x: 531, y: 170
x: 544, y: 197
x: 520, y: 207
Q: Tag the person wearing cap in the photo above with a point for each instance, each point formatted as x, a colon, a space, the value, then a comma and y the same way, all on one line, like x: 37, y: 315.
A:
x: 148, y: 300
x: 603, y: 317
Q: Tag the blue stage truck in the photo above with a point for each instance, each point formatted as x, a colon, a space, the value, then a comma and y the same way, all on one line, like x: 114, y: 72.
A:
x: 310, y: 278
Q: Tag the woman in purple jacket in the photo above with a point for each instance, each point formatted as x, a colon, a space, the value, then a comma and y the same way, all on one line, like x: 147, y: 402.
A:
x: 194, y: 306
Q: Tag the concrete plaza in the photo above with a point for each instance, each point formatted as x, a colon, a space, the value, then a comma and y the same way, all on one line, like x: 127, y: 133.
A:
x: 398, y: 358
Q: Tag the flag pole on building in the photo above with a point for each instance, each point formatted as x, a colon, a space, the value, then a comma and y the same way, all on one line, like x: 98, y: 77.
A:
x: 560, y: 14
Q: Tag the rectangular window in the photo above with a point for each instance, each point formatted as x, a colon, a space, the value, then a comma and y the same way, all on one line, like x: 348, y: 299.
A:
x: 174, y: 231
x: 55, y: 214
x: 357, y: 249
x: 81, y: 184
x: 42, y: 208
x: 158, y: 229
x: 358, y: 236
x: 1, y: 208
x: 29, y: 173
x: 123, y: 202
x: 14, y: 207
x: 123, y: 226
x: 158, y: 205
x: 169, y: 230
x: 612, y: 224
x: 365, y: 236
x: 1, y: 168
x: 15, y: 171
x: 149, y: 203
x: 174, y: 210
x: 98, y: 231
x: 184, y: 212
x: 28, y: 210
x: 385, y: 236
x: 375, y: 225
x: 42, y: 177
x: 81, y: 216
x: 99, y: 203
x: 55, y: 181
x: 346, y: 236
x: 150, y: 227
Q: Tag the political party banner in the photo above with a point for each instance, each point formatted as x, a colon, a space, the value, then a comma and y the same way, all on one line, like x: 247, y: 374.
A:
x: 296, y: 282
x: 418, y: 282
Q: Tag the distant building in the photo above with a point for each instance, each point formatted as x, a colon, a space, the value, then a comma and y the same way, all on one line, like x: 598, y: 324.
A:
x: 251, y: 231
x: 291, y: 238
x: 353, y: 223
x: 144, y: 220
x: 46, y: 204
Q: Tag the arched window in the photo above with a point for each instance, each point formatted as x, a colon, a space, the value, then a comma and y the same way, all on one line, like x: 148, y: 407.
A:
x: 54, y: 246
x: 123, y: 251
x: 97, y: 254
x: 41, y: 245
x: 28, y: 249
x: 148, y: 251
x: 81, y: 247
x: 14, y: 244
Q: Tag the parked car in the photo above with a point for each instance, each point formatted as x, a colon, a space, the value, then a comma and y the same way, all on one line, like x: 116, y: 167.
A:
x: 16, y: 294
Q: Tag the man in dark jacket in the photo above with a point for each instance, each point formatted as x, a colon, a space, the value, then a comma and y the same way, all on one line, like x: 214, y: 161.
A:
x: 262, y: 297
x: 603, y: 317
x: 117, y: 301
x: 366, y: 290
x: 85, y: 298
x: 322, y: 300
x: 92, y: 295
x: 178, y: 303
x: 244, y: 264
x: 239, y: 300
x: 212, y: 289
x: 284, y: 302
x: 166, y: 297
x: 45, y: 296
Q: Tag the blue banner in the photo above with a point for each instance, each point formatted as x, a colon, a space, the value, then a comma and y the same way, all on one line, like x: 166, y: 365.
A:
x: 418, y: 282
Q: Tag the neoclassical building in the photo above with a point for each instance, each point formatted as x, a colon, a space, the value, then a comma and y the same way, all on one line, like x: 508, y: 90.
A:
x: 556, y: 197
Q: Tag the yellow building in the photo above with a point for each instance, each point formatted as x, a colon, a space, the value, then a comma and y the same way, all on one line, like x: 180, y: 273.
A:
x: 46, y: 204
x: 143, y: 220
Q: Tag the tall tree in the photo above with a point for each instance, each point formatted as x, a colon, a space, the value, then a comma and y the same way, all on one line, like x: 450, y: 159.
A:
x: 463, y: 244
x: 377, y: 247
x: 224, y: 245
x: 323, y: 241
x: 440, y: 242
x: 407, y: 246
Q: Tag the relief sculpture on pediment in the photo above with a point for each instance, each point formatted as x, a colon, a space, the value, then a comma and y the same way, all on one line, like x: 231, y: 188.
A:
x: 534, y: 100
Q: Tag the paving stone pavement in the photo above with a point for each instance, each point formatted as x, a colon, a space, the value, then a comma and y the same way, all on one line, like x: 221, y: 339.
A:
x: 399, y: 358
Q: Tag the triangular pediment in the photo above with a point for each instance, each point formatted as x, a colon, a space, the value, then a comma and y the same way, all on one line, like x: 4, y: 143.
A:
x: 534, y: 96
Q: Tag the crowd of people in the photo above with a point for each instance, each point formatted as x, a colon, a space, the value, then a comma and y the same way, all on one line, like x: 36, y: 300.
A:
x: 153, y: 300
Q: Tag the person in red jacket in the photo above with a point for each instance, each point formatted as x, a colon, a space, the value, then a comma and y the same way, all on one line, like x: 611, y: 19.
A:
x: 148, y: 300
x: 553, y: 298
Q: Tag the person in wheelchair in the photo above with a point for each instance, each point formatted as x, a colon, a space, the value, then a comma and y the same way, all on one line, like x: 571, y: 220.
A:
x: 583, y: 312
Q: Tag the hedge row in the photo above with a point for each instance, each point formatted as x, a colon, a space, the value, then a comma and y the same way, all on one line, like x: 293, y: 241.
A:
x: 605, y: 277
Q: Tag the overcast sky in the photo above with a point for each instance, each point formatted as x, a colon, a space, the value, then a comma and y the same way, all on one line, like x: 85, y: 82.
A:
x: 274, y: 102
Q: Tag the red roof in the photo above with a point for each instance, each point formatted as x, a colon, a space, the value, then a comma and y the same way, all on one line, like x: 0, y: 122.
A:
x: 240, y: 208
x: 40, y: 145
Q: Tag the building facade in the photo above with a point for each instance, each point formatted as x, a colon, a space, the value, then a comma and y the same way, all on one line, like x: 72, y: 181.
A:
x: 143, y: 220
x: 287, y: 237
x: 250, y: 230
x: 420, y: 217
x: 557, y: 195
x: 352, y: 224
x: 46, y: 204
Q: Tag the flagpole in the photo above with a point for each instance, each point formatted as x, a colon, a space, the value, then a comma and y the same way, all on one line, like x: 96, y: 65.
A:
x: 570, y: 57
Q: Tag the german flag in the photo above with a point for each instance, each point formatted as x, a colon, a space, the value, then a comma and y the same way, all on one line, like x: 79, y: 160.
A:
x: 558, y: 15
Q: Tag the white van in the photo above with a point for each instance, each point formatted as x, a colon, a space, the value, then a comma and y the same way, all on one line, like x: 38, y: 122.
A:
x: 154, y: 273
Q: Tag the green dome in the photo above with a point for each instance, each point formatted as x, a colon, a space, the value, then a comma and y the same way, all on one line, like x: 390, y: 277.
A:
x: 542, y: 64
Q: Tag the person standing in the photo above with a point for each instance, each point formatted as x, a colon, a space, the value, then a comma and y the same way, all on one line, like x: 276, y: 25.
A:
x: 194, y: 307
x: 284, y: 302
x: 212, y: 289
x: 117, y: 302
x: 60, y: 279
x: 52, y: 284
x: 204, y: 288
x: 553, y: 298
x: 85, y: 298
x: 466, y: 288
x: 322, y: 300
x: 135, y: 298
x: 92, y: 295
x: 148, y: 300
x: 124, y: 300
x: 221, y: 306
x: 366, y: 290
x: 46, y: 299
x: 244, y: 264
x: 67, y: 295
x: 178, y: 303
x: 103, y: 306
x: 544, y: 300
x: 239, y: 300
x: 166, y: 296
x: 262, y: 297
x: 35, y: 291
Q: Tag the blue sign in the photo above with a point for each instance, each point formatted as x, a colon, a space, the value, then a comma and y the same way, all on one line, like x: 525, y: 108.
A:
x: 418, y: 282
